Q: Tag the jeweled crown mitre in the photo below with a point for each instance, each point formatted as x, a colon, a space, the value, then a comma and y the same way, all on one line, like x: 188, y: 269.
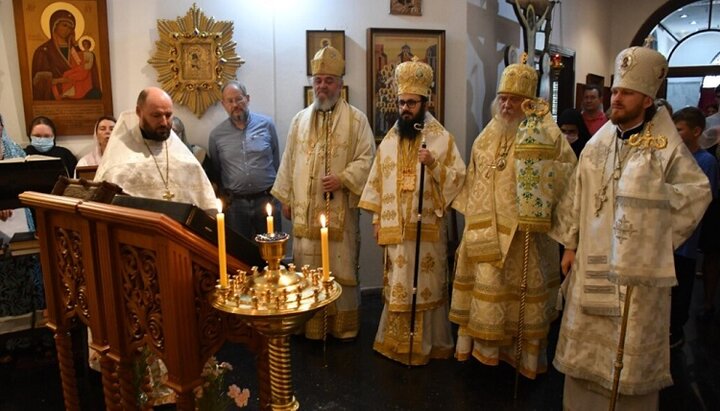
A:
x: 329, y: 61
x: 519, y: 79
x: 414, y: 77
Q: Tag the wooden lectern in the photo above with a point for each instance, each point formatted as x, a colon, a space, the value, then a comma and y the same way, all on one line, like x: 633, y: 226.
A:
x: 136, y: 278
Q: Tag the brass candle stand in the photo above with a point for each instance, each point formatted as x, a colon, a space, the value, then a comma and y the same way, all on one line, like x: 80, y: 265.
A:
x: 276, y: 302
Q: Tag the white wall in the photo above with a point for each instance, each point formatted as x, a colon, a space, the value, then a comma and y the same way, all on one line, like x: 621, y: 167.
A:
x: 626, y: 18
x: 270, y: 36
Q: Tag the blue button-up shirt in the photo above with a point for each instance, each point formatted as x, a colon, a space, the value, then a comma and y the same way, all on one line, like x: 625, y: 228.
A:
x: 246, y: 160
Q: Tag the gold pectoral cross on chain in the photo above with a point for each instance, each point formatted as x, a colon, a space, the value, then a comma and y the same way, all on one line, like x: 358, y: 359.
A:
x: 168, y: 195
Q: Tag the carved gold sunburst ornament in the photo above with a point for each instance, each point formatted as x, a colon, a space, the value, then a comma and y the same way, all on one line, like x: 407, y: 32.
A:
x: 195, y: 56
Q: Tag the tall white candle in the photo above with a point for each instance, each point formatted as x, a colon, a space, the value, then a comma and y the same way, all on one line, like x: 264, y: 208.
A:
x: 222, y: 264
x: 325, y: 248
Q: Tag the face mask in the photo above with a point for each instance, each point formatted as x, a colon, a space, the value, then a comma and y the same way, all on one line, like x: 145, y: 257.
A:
x: 42, y: 144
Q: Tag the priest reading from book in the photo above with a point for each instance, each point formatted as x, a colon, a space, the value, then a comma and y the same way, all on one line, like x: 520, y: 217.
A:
x: 147, y: 159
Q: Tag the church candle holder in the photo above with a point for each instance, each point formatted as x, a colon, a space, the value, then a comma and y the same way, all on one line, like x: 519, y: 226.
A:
x: 276, y: 302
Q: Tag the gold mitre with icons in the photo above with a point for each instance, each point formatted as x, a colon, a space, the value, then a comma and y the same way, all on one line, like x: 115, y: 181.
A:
x: 519, y: 79
x: 414, y: 77
x: 329, y: 61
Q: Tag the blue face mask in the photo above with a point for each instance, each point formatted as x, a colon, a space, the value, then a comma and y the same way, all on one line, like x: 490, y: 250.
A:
x: 42, y: 144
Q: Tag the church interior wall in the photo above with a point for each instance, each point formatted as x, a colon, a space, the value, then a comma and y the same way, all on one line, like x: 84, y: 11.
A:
x: 270, y: 36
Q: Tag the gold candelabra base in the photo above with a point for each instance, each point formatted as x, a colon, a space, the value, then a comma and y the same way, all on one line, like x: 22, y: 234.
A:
x: 277, y: 302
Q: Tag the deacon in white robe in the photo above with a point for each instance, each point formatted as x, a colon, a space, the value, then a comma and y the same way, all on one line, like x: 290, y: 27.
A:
x: 392, y: 194
x: 637, y: 194
x: 329, y: 149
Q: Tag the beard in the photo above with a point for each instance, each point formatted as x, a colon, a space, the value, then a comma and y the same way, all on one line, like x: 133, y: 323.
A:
x: 325, y: 104
x: 624, y: 114
x: 159, y: 134
x: 508, y: 125
x: 239, y: 116
x: 406, y: 125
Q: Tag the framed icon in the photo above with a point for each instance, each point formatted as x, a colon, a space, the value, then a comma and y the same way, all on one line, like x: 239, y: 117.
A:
x: 386, y: 49
x: 64, y: 62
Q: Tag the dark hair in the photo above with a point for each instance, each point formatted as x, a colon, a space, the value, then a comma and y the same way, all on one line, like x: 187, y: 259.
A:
x: 661, y: 102
x: 573, y: 116
x: 692, y: 116
x: 97, y: 123
x: 595, y: 87
x: 650, y: 112
x: 42, y: 120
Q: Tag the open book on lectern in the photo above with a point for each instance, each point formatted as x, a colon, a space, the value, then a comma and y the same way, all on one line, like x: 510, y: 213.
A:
x: 32, y: 173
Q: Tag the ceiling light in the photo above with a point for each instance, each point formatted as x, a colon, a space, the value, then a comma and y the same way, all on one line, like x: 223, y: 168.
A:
x: 683, y: 16
x: 693, y: 22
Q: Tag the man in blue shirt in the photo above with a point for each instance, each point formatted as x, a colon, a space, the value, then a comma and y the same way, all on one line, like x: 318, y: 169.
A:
x: 245, y: 158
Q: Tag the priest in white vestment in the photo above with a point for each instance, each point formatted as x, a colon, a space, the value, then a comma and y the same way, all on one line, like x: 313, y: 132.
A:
x: 637, y: 194
x: 392, y: 195
x: 323, y: 170
x: 147, y: 159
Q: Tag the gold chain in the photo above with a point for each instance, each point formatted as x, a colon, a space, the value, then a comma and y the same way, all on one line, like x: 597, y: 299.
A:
x: 618, y: 160
x: 168, y: 195
x: 501, y: 152
x: 328, y: 127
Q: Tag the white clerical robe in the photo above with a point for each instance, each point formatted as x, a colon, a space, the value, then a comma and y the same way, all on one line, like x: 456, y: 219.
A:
x: 392, y: 195
x: 151, y: 171
x: 489, y: 270
x: 156, y: 168
x: 298, y: 184
x: 624, y: 230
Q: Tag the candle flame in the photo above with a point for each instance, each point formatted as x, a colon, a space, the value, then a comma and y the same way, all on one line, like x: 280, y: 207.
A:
x: 219, y: 205
x: 322, y: 220
x: 268, y: 208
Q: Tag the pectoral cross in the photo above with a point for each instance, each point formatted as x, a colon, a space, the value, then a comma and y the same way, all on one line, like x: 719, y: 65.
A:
x: 600, y: 199
x: 168, y: 195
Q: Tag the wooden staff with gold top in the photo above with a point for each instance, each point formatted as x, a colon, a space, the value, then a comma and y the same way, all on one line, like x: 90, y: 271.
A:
x: 621, y: 348
x: 531, y: 150
x: 418, y: 235
x: 327, y: 123
x: 521, y: 314
x: 644, y: 141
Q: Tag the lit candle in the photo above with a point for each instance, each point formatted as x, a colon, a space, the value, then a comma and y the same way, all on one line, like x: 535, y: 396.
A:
x: 222, y: 265
x: 270, y: 224
x: 324, y: 248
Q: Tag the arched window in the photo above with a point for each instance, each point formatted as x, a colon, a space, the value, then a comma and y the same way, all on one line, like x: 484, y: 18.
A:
x: 688, y: 34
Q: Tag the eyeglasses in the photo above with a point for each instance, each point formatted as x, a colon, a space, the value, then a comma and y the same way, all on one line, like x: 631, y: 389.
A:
x: 236, y: 100
x: 408, y: 103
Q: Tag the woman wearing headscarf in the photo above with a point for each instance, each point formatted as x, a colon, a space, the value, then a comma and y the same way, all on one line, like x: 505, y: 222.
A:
x: 103, y: 128
x: 42, y: 141
x: 573, y: 127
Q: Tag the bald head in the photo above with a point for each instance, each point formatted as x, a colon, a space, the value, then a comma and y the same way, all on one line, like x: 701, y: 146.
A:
x: 155, y: 109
